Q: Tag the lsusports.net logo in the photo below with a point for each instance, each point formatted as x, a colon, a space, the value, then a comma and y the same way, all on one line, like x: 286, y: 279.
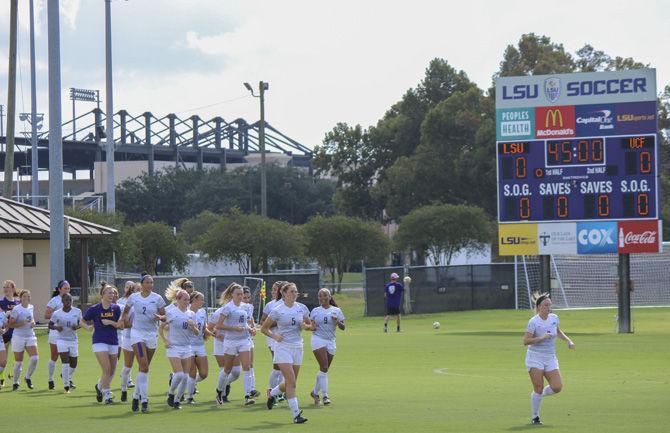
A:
x: 555, y: 121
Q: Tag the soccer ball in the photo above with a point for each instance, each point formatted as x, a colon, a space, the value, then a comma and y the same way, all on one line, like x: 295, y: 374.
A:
x: 436, y: 325
x: 407, y: 280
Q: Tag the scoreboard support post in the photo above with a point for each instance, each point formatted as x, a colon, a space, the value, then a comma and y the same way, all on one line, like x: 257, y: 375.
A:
x: 545, y: 273
x: 623, y: 295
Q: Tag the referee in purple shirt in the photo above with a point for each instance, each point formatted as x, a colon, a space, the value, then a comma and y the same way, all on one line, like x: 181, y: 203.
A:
x: 393, y: 292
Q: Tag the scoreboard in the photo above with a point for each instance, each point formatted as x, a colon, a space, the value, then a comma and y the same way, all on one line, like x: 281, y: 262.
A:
x: 574, y: 149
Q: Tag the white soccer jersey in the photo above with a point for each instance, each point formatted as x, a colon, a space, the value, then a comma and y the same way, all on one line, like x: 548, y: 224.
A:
x: 249, y: 308
x: 288, y: 321
x: 3, y: 319
x: 55, y: 303
x: 214, y: 319
x: 538, y: 327
x: 131, y: 314
x: 235, y: 315
x: 200, y: 319
x: 20, y: 314
x: 179, y: 332
x: 67, y: 321
x: 325, y: 325
x: 145, y: 309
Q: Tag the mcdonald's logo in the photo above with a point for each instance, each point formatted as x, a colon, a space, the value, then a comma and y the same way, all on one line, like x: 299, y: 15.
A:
x: 556, y: 118
x: 558, y: 121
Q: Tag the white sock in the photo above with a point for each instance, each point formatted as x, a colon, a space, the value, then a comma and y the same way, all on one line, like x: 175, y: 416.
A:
x: 176, y: 381
x: 125, y: 373
x: 547, y: 391
x: 223, y: 378
x: 247, y: 382
x: 235, y: 373
x: 18, y: 366
x: 253, y: 378
x: 277, y: 378
x: 275, y: 391
x: 182, y: 386
x: 106, y: 393
x: 65, y: 373
x: 317, y: 385
x: 52, y: 368
x: 72, y: 370
x: 32, y: 365
x: 324, y: 384
x: 190, y: 384
x: 293, y: 404
x: 143, y: 386
x: 535, y: 402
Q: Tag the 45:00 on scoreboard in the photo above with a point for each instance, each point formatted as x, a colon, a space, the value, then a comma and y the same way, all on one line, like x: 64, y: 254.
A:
x: 590, y: 178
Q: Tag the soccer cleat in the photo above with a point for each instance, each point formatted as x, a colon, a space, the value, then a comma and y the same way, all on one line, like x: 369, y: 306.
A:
x: 271, y: 400
x: 326, y: 400
x: 98, y: 394
x: 248, y: 400
x: 398, y: 329
x: 67, y: 390
x: 145, y: 407
x: 190, y: 401
x: 176, y: 405
x: 195, y: 390
x: 224, y: 399
x: 219, y: 397
x: 386, y: 329
x: 170, y: 380
x: 135, y: 406
x: 15, y: 387
x: 254, y: 393
x: 536, y: 421
x: 124, y: 396
x: 299, y: 419
x: 170, y: 400
x: 315, y: 397
x: 281, y: 397
x: 29, y: 383
x: 227, y: 393
x: 2, y: 383
x: 110, y: 400
x: 52, y: 385
x: 130, y: 383
x: 72, y: 385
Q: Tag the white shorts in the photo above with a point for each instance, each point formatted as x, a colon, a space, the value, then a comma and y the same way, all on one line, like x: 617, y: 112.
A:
x: 218, y: 347
x: 69, y: 346
x: 53, y: 336
x: 541, y: 362
x: 181, y: 352
x: 271, y: 343
x: 199, y: 351
x: 318, y: 343
x: 234, y: 347
x: 125, y: 344
x: 252, y: 343
x: 19, y: 344
x: 287, y: 354
x: 150, y: 339
x: 112, y: 349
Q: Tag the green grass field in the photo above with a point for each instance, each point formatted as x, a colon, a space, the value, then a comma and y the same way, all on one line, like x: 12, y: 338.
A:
x: 468, y: 376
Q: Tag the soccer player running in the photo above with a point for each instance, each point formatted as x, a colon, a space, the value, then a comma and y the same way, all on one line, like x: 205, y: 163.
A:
x: 248, y: 305
x: 104, y: 317
x: 178, y: 345
x: 22, y: 319
x: 233, y: 321
x: 55, y: 303
x: 125, y: 345
x: 8, y: 301
x: 3, y: 351
x: 147, y: 307
x: 290, y: 317
x: 65, y: 322
x: 393, y: 292
x: 326, y: 318
x: 541, y: 361
x: 199, y: 364
x: 275, y: 373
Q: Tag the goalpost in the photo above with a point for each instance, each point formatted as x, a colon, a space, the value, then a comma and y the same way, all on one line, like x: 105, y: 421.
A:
x: 258, y: 295
x: 589, y: 281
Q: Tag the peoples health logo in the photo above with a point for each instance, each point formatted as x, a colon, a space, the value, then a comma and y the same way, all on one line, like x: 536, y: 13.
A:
x: 552, y: 89
x: 515, y: 124
x: 597, y: 237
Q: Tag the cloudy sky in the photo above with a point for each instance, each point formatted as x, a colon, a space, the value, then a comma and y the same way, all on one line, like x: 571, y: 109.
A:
x: 326, y: 61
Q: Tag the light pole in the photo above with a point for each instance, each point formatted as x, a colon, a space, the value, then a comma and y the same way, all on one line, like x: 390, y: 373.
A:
x: 81, y: 95
x: 35, y: 120
x: 109, y: 115
x: 262, y: 87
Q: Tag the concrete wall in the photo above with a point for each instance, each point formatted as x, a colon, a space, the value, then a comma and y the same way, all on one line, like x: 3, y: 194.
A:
x: 37, y: 279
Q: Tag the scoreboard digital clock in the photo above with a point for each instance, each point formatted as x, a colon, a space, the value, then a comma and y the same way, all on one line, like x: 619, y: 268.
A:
x: 609, y: 178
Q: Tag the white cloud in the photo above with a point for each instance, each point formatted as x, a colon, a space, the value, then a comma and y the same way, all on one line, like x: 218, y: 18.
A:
x: 69, y: 10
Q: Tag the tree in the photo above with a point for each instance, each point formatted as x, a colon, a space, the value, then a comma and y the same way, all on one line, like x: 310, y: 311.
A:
x: 338, y: 242
x: 158, y: 248
x: 192, y: 229
x: 444, y: 229
x: 535, y: 55
x: 252, y: 238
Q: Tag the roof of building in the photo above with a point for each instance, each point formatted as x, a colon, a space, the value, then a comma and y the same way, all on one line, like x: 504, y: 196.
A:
x: 22, y: 221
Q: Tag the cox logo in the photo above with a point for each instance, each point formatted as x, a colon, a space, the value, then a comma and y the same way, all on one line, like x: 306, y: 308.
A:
x: 595, y: 238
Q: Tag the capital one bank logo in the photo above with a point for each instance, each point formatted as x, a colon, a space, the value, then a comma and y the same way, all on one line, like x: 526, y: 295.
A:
x: 555, y: 121
x: 552, y: 89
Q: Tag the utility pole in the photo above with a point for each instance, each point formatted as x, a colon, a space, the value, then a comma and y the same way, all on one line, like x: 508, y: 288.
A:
x: 11, y: 101
x: 56, y: 217
x: 262, y: 87
x: 109, y: 115
x: 34, y: 156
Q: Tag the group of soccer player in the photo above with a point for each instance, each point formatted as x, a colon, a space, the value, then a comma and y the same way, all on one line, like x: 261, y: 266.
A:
x: 127, y: 327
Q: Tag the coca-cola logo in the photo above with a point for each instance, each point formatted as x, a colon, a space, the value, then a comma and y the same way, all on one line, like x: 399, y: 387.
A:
x: 646, y: 237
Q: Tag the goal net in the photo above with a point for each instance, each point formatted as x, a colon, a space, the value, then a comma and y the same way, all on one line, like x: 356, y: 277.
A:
x: 258, y: 295
x: 583, y: 281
